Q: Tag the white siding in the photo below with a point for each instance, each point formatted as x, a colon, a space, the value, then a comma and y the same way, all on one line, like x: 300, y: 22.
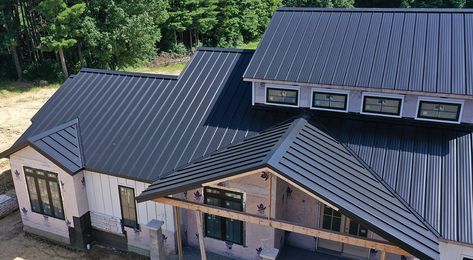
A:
x: 104, y: 199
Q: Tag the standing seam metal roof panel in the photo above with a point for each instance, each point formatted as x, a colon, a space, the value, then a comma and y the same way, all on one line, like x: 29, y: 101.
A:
x: 420, y: 50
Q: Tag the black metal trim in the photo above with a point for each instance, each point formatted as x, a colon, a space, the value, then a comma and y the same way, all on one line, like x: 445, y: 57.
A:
x: 383, y: 113
x: 223, y: 227
x: 121, y: 208
x: 328, y: 107
x: 46, y: 178
x: 439, y: 103
x: 282, y: 103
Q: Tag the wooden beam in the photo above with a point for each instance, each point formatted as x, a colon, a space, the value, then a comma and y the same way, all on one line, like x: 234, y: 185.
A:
x: 270, y: 194
x: 200, y: 231
x: 383, y: 255
x: 284, y: 225
x: 177, y: 219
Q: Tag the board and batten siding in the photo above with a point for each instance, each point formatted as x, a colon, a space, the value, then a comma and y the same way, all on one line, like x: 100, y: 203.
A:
x: 103, y: 198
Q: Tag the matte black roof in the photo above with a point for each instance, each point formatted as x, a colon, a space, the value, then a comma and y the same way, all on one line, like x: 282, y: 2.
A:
x: 140, y: 126
x: 420, y: 50
x: 429, y: 167
x: 306, y: 154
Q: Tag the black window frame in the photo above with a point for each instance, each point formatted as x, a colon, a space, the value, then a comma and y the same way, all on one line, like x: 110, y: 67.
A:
x: 419, y: 109
x: 282, y: 103
x: 332, y: 216
x: 137, y: 225
x: 345, y: 105
x: 359, y: 227
x: 47, y: 179
x: 399, y: 107
x: 224, y: 198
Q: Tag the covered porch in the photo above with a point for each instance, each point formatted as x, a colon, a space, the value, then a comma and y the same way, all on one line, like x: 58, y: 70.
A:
x: 264, y: 170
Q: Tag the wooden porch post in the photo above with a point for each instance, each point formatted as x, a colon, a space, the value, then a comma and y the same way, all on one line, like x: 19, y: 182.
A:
x: 383, y: 255
x: 177, y: 218
x: 200, y: 231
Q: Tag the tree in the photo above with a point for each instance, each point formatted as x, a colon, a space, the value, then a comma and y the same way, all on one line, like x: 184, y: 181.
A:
x: 319, y: 3
x: 9, y: 31
x: 121, y: 33
x: 62, y: 26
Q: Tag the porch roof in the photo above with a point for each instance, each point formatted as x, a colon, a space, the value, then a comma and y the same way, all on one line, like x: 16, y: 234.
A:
x: 305, y: 153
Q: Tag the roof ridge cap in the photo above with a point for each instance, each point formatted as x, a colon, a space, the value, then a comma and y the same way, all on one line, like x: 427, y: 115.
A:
x: 376, y: 10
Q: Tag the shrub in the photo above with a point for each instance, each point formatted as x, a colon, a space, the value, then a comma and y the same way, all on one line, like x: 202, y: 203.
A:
x: 47, y: 70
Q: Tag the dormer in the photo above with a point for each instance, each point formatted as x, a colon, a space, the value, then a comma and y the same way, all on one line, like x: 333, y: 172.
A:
x: 401, y: 63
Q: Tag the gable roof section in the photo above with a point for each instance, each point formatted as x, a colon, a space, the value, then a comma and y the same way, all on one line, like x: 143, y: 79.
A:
x: 419, y: 50
x: 139, y: 126
x: 304, y: 153
x: 60, y: 144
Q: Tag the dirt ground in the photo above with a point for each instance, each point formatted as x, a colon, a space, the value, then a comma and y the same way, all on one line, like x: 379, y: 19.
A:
x: 15, y: 244
x: 16, y: 109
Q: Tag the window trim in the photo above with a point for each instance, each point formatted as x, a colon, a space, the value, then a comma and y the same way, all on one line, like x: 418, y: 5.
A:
x: 281, y: 87
x: 381, y: 95
x: 342, y: 219
x: 243, y: 231
x: 440, y: 100
x: 50, y: 198
x: 137, y: 227
x: 330, y: 91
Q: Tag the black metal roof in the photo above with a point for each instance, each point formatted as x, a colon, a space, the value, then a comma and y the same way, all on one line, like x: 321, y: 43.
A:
x: 419, y: 50
x: 143, y: 127
x: 140, y: 126
x: 431, y: 168
x: 306, y: 154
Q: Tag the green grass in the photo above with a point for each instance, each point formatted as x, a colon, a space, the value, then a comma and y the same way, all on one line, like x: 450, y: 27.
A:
x: 173, y: 69
x: 250, y: 45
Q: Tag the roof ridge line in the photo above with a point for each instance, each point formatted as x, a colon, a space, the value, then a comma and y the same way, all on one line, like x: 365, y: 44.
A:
x: 286, y: 139
x: 378, y: 178
x: 131, y: 74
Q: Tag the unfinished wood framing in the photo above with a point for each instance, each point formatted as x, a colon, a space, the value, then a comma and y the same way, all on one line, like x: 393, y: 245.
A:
x: 178, y: 232
x: 284, y: 225
x: 200, y: 231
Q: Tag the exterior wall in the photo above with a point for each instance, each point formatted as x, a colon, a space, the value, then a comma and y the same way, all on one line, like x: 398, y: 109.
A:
x: 72, y: 191
x: 256, y: 237
x: 355, y: 102
x: 455, y: 251
x: 105, y: 211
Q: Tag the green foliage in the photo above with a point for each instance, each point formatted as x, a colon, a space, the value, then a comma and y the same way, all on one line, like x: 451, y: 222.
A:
x: 319, y: 3
x: 179, y: 49
x: 47, y: 70
x: 63, y: 24
x: 119, y: 33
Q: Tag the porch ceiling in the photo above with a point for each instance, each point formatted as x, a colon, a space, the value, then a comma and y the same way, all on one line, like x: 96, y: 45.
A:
x: 304, y: 153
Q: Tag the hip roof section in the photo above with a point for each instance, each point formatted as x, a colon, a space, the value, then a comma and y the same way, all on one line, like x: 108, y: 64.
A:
x: 419, y: 50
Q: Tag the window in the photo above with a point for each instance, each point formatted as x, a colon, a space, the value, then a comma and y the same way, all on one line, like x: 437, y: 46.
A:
x: 44, y: 192
x: 467, y: 258
x: 357, y: 229
x: 332, y: 219
x: 289, y: 97
x: 128, y: 207
x: 439, y: 111
x: 329, y: 100
x: 224, y: 228
x: 382, y: 105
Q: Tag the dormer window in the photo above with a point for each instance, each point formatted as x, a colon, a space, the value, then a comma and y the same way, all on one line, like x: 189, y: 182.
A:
x: 285, y: 96
x: 333, y: 100
x: 387, y: 105
x: 437, y: 110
